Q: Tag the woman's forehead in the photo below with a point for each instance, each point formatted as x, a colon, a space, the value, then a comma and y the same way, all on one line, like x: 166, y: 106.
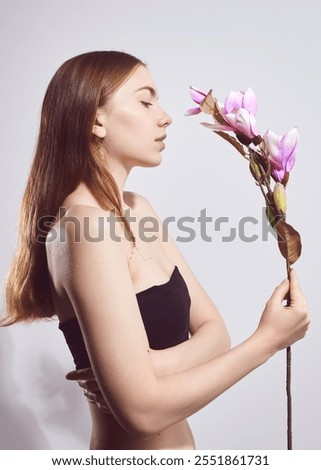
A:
x: 139, y: 80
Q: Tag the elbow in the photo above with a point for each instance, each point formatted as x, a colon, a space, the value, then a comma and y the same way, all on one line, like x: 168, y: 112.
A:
x: 143, y: 429
x: 142, y: 424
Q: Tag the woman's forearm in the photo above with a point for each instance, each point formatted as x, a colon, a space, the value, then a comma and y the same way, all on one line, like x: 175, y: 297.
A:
x: 208, y: 342
x: 180, y: 395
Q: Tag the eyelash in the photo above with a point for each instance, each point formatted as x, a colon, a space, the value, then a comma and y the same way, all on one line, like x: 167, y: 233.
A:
x: 146, y: 104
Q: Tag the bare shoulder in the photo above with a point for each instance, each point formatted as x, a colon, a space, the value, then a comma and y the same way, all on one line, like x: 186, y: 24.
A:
x: 84, y: 236
x: 83, y: 223
x: 84, y: 212
x: 138, y: 202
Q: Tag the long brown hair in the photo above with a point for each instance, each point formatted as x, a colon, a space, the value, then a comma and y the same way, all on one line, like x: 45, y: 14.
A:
x: 67, y: 153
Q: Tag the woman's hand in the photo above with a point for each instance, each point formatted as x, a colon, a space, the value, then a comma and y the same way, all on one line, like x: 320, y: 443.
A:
x: 280, y: 325
x: 87, y: 381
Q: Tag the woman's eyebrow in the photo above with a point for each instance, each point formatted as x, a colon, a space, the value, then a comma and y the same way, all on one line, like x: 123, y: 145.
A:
x: 149, y: 88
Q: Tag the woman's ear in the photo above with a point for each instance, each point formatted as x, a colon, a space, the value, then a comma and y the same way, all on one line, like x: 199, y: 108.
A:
x: 99, y: 128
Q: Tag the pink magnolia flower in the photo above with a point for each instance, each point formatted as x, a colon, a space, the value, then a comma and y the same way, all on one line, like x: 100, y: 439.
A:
x: 237, y: 114
x: 240, y: 110
x: 281, y: 151
x: 238, y: 99
x: 197, y: 96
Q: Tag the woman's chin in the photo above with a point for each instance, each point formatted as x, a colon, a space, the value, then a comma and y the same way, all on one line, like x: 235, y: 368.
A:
x: 150, y: 162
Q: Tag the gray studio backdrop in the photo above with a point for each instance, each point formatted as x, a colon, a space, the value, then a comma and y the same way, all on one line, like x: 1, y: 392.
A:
x: 271, y: 46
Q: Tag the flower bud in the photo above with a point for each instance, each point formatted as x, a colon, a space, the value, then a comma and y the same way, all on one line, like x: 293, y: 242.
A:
x: 279, y: 197
x: 270, y: 216
x: 255, y: 171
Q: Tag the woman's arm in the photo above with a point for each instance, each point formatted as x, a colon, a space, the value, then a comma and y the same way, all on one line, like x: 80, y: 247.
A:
x: 97, y: 280
x: 208, y: 342
x: 209, y: 336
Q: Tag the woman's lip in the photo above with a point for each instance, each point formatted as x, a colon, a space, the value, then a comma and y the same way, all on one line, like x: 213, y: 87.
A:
x: 160, y: 139
x: 160, y: 142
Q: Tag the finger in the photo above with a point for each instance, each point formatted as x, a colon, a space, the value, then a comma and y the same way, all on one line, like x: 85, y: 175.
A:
x: 104, y: 408
x: 280, y: 291
x: 90, y: 398
x: 89, y: 385
x: 72, y: 375
x: 81, y: 374
x: 305, y: 302
x: 102, y: 404
x: 96, y: 398
x: 295, y: 289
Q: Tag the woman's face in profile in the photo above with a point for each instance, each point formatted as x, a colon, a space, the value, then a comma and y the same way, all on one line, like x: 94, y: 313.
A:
x: 134, y: 123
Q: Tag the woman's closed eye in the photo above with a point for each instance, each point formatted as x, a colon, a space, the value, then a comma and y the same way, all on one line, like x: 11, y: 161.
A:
x: 146, y: 104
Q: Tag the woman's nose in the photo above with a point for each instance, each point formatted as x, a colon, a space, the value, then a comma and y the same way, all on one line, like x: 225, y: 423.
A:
x: 164, y: 120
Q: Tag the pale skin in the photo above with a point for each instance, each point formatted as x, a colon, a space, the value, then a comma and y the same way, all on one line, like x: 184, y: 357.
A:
x: 150, y: 394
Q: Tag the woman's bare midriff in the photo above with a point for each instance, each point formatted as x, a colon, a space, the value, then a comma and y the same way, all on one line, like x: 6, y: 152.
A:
x: 107, y: 434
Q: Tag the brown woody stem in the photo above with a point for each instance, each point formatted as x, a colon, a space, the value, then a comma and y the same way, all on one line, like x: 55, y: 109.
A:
x: 289, y: 396
x: 289, y: 377
x: 268, y: 196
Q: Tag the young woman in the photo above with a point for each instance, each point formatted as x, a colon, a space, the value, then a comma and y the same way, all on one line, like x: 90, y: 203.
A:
x: 127, y: 302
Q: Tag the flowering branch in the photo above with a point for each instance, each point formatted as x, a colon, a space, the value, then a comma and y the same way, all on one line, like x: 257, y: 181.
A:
x: 270, y: 158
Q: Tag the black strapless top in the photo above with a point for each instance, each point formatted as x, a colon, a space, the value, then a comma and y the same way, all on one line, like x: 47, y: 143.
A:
x: 165, y: 311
